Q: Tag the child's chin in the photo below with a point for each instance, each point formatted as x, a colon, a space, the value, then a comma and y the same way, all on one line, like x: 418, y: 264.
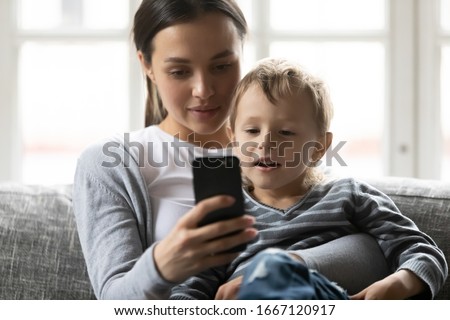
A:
x: 263, y: 185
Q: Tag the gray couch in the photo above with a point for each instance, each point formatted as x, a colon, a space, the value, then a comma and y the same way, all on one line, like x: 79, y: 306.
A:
x: 41, y: 258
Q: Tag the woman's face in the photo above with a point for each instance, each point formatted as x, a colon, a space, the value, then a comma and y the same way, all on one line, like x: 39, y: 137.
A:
x: 196, y: 66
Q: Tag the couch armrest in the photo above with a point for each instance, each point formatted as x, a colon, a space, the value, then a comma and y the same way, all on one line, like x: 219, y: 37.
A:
x: 40, y: 254
x: 427, y: 203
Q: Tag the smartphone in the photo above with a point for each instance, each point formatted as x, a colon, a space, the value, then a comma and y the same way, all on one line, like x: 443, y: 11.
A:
x: 219, y: 176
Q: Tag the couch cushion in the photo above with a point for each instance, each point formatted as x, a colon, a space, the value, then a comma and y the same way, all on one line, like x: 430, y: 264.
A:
x: 34, y: 266
x: 427, y: 203
x: 40, y: 254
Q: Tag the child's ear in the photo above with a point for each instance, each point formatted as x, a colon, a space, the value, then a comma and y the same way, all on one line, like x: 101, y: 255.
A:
x: 328, y: 140
x: 230, y: 133
x: 231, y: 136
x: 322, y: 146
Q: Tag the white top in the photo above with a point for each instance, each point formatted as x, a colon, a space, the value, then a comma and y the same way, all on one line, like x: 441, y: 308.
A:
x: 167, y: 170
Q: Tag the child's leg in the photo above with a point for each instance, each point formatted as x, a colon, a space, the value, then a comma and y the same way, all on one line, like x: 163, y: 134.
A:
x: 273, y: 275
x: 354, y: 261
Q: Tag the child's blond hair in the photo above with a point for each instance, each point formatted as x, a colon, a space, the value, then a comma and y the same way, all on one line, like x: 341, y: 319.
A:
x: 280, y: 79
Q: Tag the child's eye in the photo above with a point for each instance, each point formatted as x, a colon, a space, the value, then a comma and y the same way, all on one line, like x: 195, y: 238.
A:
x: 251, y: 131
x: 286, y: 133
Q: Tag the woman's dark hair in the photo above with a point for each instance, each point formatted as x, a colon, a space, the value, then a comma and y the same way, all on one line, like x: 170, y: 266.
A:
x: 156, y: 15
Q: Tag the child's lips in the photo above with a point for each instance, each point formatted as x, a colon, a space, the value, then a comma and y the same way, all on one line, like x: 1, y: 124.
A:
x: 266, y: 165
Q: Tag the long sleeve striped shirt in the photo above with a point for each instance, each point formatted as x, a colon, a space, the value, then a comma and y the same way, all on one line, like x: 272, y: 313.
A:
x: 330, y: 210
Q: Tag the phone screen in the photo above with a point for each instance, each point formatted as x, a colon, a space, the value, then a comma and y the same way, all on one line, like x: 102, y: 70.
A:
x: 219, y: 176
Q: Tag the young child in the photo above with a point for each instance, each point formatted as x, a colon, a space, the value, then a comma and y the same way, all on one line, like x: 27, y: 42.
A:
x: 279, y: 122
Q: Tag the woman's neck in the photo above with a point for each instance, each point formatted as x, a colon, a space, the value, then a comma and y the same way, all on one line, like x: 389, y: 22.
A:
x: 217, y: 140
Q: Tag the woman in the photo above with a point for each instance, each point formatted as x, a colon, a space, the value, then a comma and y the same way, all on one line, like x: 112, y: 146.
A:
x: 133, y: 197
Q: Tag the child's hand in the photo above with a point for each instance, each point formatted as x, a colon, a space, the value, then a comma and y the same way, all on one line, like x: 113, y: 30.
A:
x: 229, y: 290
x: 400, y: 285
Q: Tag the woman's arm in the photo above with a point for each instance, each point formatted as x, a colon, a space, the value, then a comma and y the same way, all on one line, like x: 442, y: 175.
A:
x: 115, y: 226
x: 354, y: 261
x: 110, y: 207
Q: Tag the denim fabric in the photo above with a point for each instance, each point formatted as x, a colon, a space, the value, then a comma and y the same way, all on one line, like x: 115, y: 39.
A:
x: 275, y: 275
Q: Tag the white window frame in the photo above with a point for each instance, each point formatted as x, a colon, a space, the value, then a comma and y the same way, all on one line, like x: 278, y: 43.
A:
x: 428, y: 45
x: 415, y: 131
x: 9, y: 139
x: 400, y: 148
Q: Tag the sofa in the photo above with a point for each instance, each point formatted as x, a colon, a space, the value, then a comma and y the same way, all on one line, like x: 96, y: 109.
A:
x: 41, y: 257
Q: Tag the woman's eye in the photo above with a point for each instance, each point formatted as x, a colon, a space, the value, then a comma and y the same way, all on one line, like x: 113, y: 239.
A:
x: 178, y: 73
x: 222, y: 67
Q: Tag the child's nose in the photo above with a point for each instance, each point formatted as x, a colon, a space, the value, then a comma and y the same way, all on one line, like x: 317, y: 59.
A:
x: 267, y: 142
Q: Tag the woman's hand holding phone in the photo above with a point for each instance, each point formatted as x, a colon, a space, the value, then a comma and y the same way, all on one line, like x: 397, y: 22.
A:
x: 189, y: 249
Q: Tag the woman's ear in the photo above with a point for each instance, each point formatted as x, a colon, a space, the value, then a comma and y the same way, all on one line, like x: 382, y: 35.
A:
x: 147, y: 67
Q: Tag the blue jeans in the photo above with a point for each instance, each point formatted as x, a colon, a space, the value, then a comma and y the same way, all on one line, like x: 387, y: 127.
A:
x: 275, y: 275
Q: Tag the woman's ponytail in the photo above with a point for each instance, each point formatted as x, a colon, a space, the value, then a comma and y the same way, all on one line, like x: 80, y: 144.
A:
x: 154, y: 110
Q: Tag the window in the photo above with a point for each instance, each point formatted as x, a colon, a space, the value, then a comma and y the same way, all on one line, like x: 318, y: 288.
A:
x: 70, y: 94
x: 73, y: 82
x: 382, y: 88
x: 348, y: 51
x: 73, y: 14
x: 70, y: 76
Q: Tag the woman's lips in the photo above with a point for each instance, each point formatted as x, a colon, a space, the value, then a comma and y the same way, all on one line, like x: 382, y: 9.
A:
x: 204, y: 113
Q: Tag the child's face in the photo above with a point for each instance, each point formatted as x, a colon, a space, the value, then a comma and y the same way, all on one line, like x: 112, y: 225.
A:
x: 276, y: 143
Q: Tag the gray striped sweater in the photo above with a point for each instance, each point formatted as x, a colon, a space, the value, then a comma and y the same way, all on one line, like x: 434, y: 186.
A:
x: 331, y: 210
